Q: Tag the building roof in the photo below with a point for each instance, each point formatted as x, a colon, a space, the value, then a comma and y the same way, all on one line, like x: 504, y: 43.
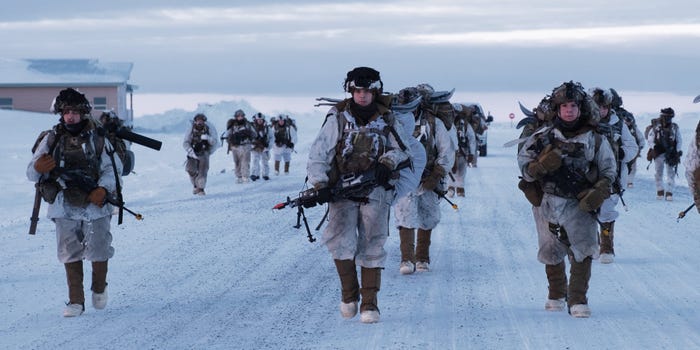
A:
x: 63, y: 72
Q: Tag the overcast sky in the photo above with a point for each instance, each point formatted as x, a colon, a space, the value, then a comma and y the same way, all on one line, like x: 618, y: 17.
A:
x: 302, y: 47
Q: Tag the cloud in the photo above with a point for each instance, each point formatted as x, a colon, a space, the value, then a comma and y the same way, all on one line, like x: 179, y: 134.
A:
x: 557, y: 36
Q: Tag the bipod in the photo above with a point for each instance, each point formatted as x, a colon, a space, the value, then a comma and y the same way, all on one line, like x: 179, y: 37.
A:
x: 682, y: 214
x: 442, y: 195
x: 301, y: 215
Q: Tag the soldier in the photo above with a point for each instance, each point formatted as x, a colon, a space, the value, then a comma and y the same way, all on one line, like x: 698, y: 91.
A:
x: 200, y: 142
x: 664, y: 139
x: 466, y: 151
x: 625, y: 149
x: 574, y: 167
x: 420, y: 210
x: 73, y: 152
x: 359, y: 135
x: 692, y: 168
x: 638, y: 136
x: 239, y: 135
x: 260, y: 154
x: 285, y: 134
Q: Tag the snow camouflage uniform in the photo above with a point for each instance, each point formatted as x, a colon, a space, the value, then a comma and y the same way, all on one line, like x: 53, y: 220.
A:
x: 285, y: 135
x: 664, y: 139
x: 240, y: 135
x: 260, y: 155
x: 638, y: 136
x: 200, y: 142
x: 82, y: 218
x: 692, y: 168
x: 625, y: 150
x: 574, y: 167
x: 420, y: 209
x: 354, y: 139
x: 466, y: 151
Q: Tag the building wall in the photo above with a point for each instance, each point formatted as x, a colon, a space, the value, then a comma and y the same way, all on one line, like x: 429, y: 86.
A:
x: 40, y: 98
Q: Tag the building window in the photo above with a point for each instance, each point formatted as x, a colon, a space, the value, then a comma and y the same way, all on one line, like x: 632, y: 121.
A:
x: 5, y: 102
x: 99, y: 103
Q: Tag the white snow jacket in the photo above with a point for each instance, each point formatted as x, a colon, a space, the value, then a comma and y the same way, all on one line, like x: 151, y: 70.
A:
x: 581, y: 227
x: 323, y: 149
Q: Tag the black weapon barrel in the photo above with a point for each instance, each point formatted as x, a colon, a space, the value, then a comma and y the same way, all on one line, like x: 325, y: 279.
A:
x: 140, y: 139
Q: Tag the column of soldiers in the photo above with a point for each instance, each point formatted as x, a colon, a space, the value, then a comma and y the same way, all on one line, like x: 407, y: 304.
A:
x: 251, y: 143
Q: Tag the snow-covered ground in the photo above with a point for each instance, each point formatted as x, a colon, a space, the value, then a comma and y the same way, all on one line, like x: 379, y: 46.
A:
x: 225, y: 271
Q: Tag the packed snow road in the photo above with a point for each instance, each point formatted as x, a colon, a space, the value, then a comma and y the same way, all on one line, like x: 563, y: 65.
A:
x: 225, y: 271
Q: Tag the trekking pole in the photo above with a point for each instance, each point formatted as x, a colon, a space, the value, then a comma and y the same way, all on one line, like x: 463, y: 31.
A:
x: 682, y: 214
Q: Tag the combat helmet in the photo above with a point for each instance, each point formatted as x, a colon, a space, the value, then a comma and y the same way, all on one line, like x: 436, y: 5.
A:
x: 71, y: 99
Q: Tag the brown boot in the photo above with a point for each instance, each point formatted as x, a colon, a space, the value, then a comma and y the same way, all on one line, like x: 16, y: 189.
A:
x: 606, y: 238
x: 277, y: 167
x: 580, y: 275
x: 423, y: 250
x: 349, y: 287
x: 371, y: 282
x: 408, y: 250
x: 99, y: 284
x: 286, y: 167
x: 556, y: 276
x: 99, y: 276
x: 460, y: 191
x: 76, y: 294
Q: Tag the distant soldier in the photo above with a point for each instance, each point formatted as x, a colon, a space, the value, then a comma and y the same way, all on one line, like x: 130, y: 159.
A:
x: 200, y: 142
x: 664, y: 139
x: 240, y: 135
x: 260, y: 155
x: 466, y: 151
x: 285, y: 135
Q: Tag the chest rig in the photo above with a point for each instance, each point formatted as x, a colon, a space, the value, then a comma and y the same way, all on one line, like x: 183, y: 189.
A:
x: 577, y: 171
x: 78, y: 154
x: 200, y: 147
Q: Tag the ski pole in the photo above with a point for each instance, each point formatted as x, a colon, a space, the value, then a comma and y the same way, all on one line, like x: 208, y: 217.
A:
x: 682, y: 214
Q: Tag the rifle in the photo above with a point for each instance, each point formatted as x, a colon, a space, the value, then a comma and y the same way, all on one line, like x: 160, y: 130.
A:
x: 682, y: 214
x: 87, y: 184
x: 351, y: 185
x: 34, y: 220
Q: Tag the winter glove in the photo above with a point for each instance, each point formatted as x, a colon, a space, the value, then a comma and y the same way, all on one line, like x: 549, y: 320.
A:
x: 470, y: 158
x: 533, y: 192
x: 433, y: 180
x: 290, y: 145
x: 44, y: 164
x: 383, y: 174
x: 651, y: 154
x: 97, y: 196
x: 190, y: 154
x: 548, y: 161
x: 591, y: 199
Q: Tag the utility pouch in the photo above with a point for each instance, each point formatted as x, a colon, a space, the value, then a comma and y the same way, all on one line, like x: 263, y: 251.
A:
x: 49, y: 190
x: 533, y: 192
